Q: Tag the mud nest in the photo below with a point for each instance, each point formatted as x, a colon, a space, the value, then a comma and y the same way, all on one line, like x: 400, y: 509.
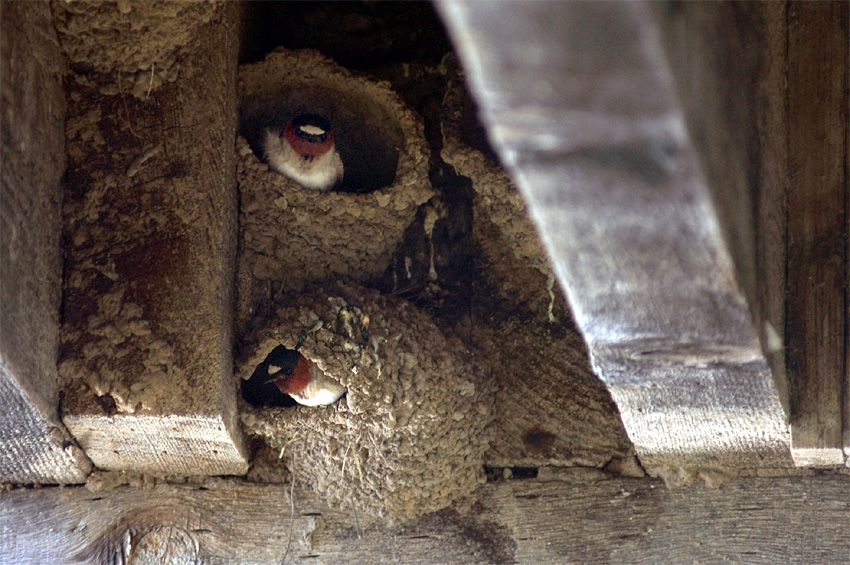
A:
x: 291, y: 236
x: 410, y: 435
x: 134, y: 47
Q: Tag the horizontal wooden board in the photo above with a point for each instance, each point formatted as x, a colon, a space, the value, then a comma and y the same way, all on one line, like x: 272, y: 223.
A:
x: 584, y: 518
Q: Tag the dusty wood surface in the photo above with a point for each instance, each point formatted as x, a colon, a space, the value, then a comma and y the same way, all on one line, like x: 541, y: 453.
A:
x: 715, y: 73
x: 731, y: 81
x: 847, y: 303
x: 817, y: 227
x: 34, y: 446
x: 601, y: 151
x: 150, y: 221
x: 770, y: 197
x: 519, y: 521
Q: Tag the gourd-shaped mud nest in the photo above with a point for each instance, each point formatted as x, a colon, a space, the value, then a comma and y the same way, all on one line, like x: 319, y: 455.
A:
x: 291, y: 235
x: 409, y: 436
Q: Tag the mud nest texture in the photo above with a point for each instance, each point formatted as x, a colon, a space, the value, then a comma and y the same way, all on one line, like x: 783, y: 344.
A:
x: 515, y: 261
x: 133, y: 47
x: 409, y: 436
x: 290, y: 235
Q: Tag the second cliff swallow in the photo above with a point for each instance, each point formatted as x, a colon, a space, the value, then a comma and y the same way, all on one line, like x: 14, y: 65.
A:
x: 301, y: 379
x: 305, y: 152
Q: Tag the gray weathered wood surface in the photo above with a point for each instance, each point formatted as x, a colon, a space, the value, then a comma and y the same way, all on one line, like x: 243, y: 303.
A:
x: 581, y: 103
x: 771, y: 207
x: 818, y: 46
x: 519, y: 521
x: 847, y: 302
x: 731, y: 79
x: 34, y: 446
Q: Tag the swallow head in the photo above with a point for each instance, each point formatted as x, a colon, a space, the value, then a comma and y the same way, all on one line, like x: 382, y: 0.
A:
x: 310, y: 135
x: 301, y: 379
x: 305, y: 152
x: 260, y: 390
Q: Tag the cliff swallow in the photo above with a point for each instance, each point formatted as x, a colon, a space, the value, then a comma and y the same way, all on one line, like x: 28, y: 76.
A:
x: 294, y: 375
x: 305, y: 152
x: 301, y: 379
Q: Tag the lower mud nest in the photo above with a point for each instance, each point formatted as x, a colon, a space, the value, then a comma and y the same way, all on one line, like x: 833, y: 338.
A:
x: 409, y: 436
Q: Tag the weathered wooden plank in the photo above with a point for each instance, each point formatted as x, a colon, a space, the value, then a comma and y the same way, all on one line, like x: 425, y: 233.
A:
x: 731, y: 82
x: 817, y: 227
x: 581, y: 106
x: 150, y: 221
x: 847, y: 305
x: 584, y: 518
x: 715, y: 73
x: 771, y: 194
x: 550, y: 407
x: 34, y: 446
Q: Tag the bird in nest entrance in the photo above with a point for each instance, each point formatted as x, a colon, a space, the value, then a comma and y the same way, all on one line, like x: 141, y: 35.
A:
x: 305, y: 152
x: 286, y: 374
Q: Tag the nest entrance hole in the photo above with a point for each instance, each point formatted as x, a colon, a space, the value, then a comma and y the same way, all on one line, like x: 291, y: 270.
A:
x: 260, y: 390
x: 368, y: 138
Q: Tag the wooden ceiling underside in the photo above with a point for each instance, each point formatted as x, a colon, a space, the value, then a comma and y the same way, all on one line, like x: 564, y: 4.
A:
x: 686, y: 166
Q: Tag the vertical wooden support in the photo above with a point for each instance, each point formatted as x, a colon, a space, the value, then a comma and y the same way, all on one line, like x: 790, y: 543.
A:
x: 729, y: 61
x: 764, y: 88
x: 817, y: 228
x: 771, y: 203
x: 34, y: 446
x: 151, y: 230
x: 581, y: 102
x: 846, y: 407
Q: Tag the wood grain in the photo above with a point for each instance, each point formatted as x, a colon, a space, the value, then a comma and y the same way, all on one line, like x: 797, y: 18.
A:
x: 817, y: 227
x: 585, y: 519
x: 34, y: 446
x: 150, y: 225
x: 550, y: 407
x: 581, y: 104
x: 847, y: 293
x: 731, y: 80
x: 771, y: 206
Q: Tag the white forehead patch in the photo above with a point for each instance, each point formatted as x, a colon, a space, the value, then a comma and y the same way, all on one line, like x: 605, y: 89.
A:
x: 312, y: 130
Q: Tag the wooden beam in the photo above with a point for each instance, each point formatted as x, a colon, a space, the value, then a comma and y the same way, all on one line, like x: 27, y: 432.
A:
x: 771, y: 194
x: 150, y: 221
x: 580, y: 103
x: 34, y: 446
x: 847, y: 289
x: 731, y: 81
x: 584, y: 517
x: 817, y: 227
